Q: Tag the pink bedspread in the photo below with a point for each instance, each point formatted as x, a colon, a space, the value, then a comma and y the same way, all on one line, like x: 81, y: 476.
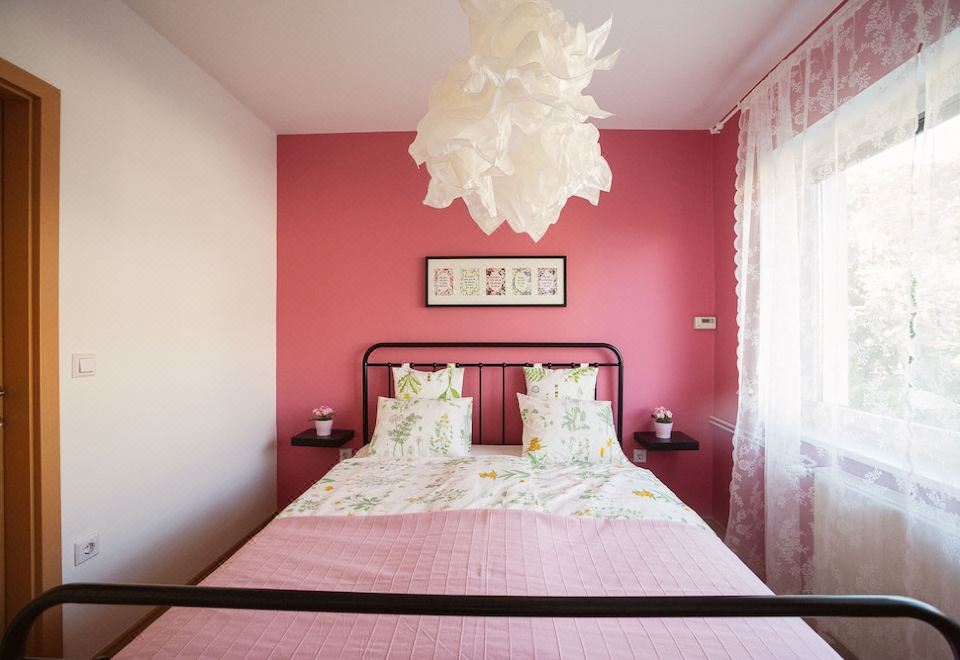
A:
x: 478, y: 552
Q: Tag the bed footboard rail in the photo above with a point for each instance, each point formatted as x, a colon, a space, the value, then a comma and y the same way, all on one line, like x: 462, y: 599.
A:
x: 14, y: 641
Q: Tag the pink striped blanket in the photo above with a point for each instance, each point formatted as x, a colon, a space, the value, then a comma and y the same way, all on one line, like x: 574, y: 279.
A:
x: 481, y: 551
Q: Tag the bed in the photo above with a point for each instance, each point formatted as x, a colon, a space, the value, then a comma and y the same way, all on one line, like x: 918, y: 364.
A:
x: 483, y: 555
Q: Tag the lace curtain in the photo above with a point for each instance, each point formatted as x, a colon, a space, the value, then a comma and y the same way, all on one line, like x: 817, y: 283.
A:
x: 847, y: 447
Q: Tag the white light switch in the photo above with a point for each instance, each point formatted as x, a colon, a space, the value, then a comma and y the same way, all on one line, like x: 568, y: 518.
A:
x: 84, y: 364
x: 704, y: 322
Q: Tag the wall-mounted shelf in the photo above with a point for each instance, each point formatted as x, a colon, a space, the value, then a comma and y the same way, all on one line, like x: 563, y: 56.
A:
x: 309, y: 438
x: 676, y: 442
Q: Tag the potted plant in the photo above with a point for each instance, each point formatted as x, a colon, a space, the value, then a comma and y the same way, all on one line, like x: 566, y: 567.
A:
x: 323, y: 419
x: 662, y: 422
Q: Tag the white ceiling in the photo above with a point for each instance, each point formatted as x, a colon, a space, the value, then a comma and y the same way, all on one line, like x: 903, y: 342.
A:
x: 338, y: 66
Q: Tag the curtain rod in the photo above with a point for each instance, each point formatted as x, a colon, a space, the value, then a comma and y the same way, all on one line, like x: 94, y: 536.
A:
x: 716, y: 128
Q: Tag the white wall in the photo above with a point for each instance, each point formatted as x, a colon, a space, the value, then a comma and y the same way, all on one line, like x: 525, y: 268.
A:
x: 168, y: 274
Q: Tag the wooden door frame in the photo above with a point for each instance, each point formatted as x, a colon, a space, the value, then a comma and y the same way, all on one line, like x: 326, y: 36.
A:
x: 32, y: 463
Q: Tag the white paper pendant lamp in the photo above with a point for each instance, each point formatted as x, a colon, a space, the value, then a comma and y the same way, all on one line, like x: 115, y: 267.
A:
x: 506, y: 127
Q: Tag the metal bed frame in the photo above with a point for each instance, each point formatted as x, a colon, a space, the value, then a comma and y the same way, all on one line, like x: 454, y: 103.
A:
x: 14, y: 643
x: 615, y: 363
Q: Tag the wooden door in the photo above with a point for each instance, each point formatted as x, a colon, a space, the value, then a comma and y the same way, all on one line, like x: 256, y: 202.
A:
x: 29, y: 356
x: 17, y: 513
x: 3, y: 536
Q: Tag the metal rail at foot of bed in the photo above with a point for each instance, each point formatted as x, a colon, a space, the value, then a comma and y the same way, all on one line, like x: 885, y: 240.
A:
x: 14, y: 641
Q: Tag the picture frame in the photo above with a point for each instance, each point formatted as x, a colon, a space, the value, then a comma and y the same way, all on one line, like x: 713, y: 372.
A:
x: 492, y: 281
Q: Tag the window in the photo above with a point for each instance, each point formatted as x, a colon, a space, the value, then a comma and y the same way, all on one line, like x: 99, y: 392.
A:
x: 890, y: 293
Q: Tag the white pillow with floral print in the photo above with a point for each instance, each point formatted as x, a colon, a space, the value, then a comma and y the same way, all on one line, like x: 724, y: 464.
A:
x: 412, y: 428
x: 577, y: 383
x: 565, y: 431
x: 408, y: 383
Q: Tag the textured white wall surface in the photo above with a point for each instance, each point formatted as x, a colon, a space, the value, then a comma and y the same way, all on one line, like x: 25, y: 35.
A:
x: 168, y: 274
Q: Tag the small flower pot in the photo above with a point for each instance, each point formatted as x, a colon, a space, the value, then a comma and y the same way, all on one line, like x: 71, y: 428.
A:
x: 324, y: 426
x: 663, y: 429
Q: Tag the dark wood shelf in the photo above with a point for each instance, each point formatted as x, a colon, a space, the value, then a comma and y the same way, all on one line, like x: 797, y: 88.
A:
x: 309, y: 438
x: 676, y: 442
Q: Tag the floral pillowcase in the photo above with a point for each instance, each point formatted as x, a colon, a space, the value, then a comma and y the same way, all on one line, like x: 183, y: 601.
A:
x: 410, y: 383
x: 412, y: 428
x: 577, y: 383
x: 568, y: 431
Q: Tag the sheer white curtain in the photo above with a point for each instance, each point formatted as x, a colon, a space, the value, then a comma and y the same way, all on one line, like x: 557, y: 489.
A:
x: 847, y: 447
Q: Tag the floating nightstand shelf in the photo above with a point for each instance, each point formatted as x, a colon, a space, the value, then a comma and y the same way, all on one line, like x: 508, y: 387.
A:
x: 676, y: 442
x: 309, y: 438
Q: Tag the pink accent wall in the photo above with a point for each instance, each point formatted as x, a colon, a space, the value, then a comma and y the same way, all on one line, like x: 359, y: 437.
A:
x: 725, y: 375
x: 352, y: 235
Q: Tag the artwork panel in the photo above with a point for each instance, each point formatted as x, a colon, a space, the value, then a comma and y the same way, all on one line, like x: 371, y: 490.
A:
x: 495, y: 281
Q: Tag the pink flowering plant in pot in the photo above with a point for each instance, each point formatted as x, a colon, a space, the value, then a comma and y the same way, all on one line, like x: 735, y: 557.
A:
x: 662, y: 422
x: 323, y: 419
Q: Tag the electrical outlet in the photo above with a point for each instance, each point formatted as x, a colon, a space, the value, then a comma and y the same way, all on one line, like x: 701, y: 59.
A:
x: 345, y: 453
x: 86, y: 548
x: 639, y: 455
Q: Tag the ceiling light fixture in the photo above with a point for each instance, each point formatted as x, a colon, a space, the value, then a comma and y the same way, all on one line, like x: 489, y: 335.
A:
x: 506, y: 128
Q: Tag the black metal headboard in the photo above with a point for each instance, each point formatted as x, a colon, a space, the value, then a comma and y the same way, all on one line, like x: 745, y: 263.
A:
x: 492, y: 364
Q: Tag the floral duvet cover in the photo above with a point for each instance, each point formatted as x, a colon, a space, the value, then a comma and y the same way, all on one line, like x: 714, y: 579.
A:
x: 371, y: 486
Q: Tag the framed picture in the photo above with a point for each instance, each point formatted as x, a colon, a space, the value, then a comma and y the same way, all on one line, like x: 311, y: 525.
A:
x: 496, y: 281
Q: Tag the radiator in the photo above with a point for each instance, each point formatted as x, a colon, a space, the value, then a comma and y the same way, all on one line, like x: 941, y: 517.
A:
x: 866, y: 543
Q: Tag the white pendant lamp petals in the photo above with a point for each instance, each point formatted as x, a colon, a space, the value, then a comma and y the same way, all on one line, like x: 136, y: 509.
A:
x: 596, y: 39
x: 505, y: 130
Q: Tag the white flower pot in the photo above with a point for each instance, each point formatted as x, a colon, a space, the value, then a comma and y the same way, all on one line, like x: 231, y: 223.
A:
x: 662, y: 429
x: 324, y: 426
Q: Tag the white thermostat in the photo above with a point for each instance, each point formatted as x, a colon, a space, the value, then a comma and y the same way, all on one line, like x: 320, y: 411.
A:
x: 704, y: 322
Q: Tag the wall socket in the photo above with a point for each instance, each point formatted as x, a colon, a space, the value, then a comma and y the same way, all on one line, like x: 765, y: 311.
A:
x: 345, y: 453
x: 639, y: 455
x: 86, y: 548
